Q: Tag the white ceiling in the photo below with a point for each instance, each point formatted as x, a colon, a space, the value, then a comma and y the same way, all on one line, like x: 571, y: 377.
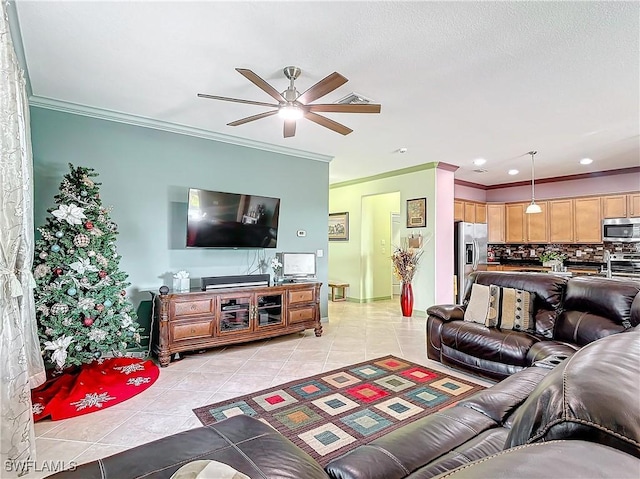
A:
x: 456, y: 80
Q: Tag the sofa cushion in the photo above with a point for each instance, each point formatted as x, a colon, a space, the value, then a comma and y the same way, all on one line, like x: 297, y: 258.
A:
x: 508, y: 347
x: 592, y: 396
x: 510, y: 308
x: 478, y: 308
x: 595, y: 308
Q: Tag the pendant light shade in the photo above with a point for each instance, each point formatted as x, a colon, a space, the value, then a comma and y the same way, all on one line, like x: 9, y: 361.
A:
x: 533, y: 207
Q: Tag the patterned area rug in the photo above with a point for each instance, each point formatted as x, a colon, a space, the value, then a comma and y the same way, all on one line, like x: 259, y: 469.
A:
x: 331, y: 413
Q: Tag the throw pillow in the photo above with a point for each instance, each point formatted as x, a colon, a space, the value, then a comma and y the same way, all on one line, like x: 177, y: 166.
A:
x: 207, y: 469
x: 510, y: 308
x: 478, y: 305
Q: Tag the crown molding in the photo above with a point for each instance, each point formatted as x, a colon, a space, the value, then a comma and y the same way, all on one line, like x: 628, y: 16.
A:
x: 579, y: 176
x: 145, y: 122
x: 388, y: 174
x: 16, y: 40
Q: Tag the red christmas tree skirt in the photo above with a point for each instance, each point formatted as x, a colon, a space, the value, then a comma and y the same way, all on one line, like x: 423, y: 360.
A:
x: 92, y: 387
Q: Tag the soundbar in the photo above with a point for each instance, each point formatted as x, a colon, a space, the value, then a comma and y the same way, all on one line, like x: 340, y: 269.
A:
x: 248, y: 280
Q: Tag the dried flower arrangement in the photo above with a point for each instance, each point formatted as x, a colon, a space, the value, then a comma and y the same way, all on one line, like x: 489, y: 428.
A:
x: 405, y: 262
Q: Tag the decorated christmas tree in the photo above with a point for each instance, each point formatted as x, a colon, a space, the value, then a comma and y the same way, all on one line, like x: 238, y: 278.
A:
x: 82, y: 307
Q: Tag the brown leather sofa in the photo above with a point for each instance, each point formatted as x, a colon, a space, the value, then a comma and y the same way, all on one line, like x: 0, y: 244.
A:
x: 569, y: 313
x: 576, y: 417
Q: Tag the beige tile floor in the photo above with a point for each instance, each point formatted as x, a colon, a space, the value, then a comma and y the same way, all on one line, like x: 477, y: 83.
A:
x: 354, y: 333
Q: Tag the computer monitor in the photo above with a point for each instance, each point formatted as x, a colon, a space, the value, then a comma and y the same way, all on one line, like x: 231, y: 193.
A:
x: 298, y: 265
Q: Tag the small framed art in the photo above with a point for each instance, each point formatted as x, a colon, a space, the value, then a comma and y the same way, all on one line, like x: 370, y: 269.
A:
x: 417, y: 213
x: 339, y: 226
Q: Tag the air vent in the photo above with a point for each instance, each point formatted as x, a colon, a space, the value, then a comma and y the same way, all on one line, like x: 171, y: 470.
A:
x: 480, y: 170
x: 354, y: 98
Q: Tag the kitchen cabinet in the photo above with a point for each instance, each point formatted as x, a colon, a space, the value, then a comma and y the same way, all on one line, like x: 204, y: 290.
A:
x: 561, y: 221
x: 515, y: 227
x: 633, y: 201
x: 614, y: 206
x: 587, y: 222
x: 469, y: 211
x: 537, y: 229
x: 458, y: 210
x: 495, y: 223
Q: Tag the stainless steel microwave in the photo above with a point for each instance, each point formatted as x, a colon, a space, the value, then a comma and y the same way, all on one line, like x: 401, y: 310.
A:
x: 625, y: 230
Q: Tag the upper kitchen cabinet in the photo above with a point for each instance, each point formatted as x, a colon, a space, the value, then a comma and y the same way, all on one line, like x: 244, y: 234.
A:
x: 469, y: 211
x: 614, y: 206
x: 495, y: 223
x: 561, y: 221
x: 633, y: 204
x: 537, y: 230
x: 587, y: 220
x: 458, y: 210
x: 515, y: 229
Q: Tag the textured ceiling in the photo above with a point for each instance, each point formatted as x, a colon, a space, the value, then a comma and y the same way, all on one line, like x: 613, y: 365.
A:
x: 456, y: 80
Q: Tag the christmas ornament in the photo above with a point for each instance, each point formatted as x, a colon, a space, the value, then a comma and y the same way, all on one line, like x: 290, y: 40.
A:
x: 87, y: 321
x: 100, y: 307
x: 78, y: 347
x: 41, y: 271
x: 86, y: 303
x: 81, y: 240
x: 102, y: 274
x: 88, y: 225
x: 83, y: 193
x: 107, y: 303
x: 72, y: 214
x: 59, y: 234
x: 87, y: 181
x: 83, y: 266
x: 57, y: 271
x: 59, y: 308
x: 55, y: 248
x: 71, y: 251
x: 97, y: 354
x: 91, y: 253
x: 71, y: 291
x: 43, y: 255
x: 123, y: 293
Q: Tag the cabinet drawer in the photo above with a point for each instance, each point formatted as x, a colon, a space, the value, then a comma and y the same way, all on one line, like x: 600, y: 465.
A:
x: 192, y: 330
x: 190, y: 308
x: 299, y: 315
x: 301, y: 296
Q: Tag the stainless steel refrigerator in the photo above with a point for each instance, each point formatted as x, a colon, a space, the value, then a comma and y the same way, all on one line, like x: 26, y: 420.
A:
x: 470, y: 253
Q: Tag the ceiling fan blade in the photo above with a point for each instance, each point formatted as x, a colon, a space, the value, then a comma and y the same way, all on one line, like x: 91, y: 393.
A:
x: 252, y: 118
x: 289, y: 128
x: 260, y: 83
x: 237, y: 100
x: 324, y: 86
x: 345, y: 108
x: 327, y: 123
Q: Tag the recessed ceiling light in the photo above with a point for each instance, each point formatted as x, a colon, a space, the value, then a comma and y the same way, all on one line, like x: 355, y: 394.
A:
x: 513, y: 172
x: 479, y: 161
x: 586, y: 161
x: 402, y: 150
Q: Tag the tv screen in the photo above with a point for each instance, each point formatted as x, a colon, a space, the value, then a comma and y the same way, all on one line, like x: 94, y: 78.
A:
x: 229, y: 220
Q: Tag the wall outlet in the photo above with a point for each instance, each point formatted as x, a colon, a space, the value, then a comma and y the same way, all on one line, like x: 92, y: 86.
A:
x: 319, y: 253
x: 578, y: 253
x: 301, y: 233
x: 532, y: 253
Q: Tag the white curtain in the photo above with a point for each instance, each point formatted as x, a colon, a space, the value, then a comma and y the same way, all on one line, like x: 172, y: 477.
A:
x: 21, y: 365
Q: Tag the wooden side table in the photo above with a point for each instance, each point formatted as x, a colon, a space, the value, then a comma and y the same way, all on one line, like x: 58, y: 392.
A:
x: 340, y: 288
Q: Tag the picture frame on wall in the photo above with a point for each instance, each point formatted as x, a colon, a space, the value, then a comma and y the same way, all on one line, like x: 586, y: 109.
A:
x: 417, y: 213
x: 339, y: 226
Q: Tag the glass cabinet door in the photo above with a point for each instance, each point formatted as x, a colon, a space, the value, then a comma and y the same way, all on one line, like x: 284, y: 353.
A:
x: 269, y: 309
x: 235, y: 314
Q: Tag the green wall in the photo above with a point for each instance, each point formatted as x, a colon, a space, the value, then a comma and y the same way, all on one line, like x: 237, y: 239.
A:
x: 145, y: 174
x: 349, y: 260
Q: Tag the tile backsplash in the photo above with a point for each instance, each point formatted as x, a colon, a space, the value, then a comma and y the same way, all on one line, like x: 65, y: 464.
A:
x: 575, y: 252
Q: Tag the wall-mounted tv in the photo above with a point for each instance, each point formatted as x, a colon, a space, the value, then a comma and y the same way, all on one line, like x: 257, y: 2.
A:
x: 216, y: 219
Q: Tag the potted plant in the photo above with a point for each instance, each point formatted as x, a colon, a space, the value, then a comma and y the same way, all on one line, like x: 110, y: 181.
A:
x: 552, y: 259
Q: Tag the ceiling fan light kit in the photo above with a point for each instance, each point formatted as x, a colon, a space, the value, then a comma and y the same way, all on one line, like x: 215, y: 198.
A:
x: 294, y: 106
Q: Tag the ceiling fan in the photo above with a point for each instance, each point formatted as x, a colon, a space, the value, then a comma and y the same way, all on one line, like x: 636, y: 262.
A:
x: 293, y: 106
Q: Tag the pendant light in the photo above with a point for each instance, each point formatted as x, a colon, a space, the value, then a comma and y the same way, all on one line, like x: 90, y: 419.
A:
x: 533, y: 207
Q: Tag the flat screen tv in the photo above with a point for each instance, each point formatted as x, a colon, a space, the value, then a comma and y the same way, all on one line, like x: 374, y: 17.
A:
x: 229, y: 220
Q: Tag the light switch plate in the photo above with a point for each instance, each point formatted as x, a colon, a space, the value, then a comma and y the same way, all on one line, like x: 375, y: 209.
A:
x: 301, y: 233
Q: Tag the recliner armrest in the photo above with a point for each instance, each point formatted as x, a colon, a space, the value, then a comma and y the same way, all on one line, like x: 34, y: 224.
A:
x: 447, y: 312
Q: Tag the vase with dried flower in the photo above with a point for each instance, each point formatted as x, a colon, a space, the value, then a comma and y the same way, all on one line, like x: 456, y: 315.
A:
x: 405, y: 264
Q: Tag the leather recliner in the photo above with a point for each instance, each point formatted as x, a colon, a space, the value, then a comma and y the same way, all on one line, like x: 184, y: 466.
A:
x: 569, y: 313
